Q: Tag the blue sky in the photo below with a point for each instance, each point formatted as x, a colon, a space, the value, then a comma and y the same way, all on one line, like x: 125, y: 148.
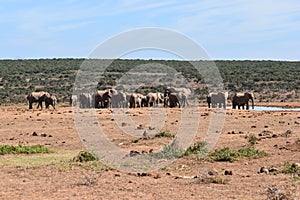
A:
x: 232, y: 30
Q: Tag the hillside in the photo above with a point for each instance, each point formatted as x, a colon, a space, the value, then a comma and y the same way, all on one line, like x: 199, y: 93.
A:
x: 270, y: 80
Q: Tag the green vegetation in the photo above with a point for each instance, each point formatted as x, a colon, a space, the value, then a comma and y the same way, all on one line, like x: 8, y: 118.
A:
x: 171, y: 151
x: 268, y: 79
x: 198, y: 148
x: 85, y: 156
x: 252, y: 139
x: 20, y: 149
x: 165, y: 134
x: 290, y: 168
x: 226, y: 154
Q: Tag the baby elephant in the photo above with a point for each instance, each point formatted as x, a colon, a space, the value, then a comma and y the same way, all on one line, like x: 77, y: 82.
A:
x: 52, y: 100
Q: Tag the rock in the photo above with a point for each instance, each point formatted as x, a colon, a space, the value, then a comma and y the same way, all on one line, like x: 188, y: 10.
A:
x: 34, y: 134
x: 287, y: 133
x: 273, y: 169
x: 212, y: 172
x: 43, y: 135
x: 265, y: 133
x: 228, y: 172
x: 264, y: 170
x: 145, y: 135
x: 141, y: 126
x: 134, y: 153
x: 296, y: 165
x: 123, y: 124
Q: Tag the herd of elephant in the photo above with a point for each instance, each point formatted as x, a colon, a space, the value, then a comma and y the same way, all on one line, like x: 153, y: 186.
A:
x: 111, y: 98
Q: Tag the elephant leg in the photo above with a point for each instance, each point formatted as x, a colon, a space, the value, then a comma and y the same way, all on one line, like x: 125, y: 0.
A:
x: 30, y: 105
x: 247, y: 106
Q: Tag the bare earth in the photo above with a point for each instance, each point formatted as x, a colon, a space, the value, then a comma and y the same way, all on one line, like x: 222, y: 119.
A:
x: 55, y: 176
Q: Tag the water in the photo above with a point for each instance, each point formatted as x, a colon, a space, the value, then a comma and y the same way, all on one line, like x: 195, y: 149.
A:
x: 270, y: 108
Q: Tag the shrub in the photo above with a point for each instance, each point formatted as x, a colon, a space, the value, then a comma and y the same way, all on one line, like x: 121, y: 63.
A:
x: 20, y: 149
x: 197, y: 148
x: 85, y: 156
x: 224, y: 154
x: 252, y: 139
x: 227, y: 154
x: 164, y: 134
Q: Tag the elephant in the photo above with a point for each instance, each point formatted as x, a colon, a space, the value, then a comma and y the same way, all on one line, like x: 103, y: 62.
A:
x: 137, y: 100
x: 118, y: 99
x: 182, y: 94
x: 242, y: 99
x: 218, y: 99
x: 153, y: 99
x: 85, y: 100
x: 73, y: 100
x: 52, y: 100
x: 171, y: 100
x: 102, y: 98
x: 37, y: 97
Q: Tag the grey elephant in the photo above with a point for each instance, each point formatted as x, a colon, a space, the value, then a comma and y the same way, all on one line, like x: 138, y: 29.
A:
x: 85, y: 100
x: 73, y: 100
x: 217, y: 99
x: 242, y: 99
x: 118, y: 99
x: 102, y: 98
x: 182, y: 94
x: 171, y: 100
x: 52, y: 100
x: 137, y: 100
x: 37, y: 97
x: 153, y: 99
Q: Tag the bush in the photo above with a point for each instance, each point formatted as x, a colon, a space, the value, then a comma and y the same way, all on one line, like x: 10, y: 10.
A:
x: 227, y: 154
x: 197, y: 148
x: 85, y: 156
x: 164, y: 134
x: 20, y: 149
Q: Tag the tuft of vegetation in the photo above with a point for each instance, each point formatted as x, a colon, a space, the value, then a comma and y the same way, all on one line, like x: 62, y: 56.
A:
x: 230, y: 155
x: 85, y: 156
x: 20, y: 149
x: 211, y: 179
x: 171, y: 151
x: 224, y: 154
x: 252, y: 139
x: 290, y: 168
x: 165, y: 134
x: 273, y: 193
x: 199, y: 148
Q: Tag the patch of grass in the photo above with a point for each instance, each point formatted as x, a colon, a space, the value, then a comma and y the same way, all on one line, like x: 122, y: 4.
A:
x: 290, y: 168
x: 212, y: 179
x: 171, y: 151
x: 20, y: 149
x: 224, y: 154
x: 197, y: 148
x: 252, y: 139
x: 165, y: 134
x: 297, y: 140
x: 85, y: 156
x: 273, y: 193
x: 230, y: 155
x: 251, y: 152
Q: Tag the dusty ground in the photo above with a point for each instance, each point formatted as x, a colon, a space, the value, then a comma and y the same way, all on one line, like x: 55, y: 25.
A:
x: 54, y: 176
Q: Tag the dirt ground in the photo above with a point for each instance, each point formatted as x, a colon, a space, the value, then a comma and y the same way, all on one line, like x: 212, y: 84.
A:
x: 55, y: 176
